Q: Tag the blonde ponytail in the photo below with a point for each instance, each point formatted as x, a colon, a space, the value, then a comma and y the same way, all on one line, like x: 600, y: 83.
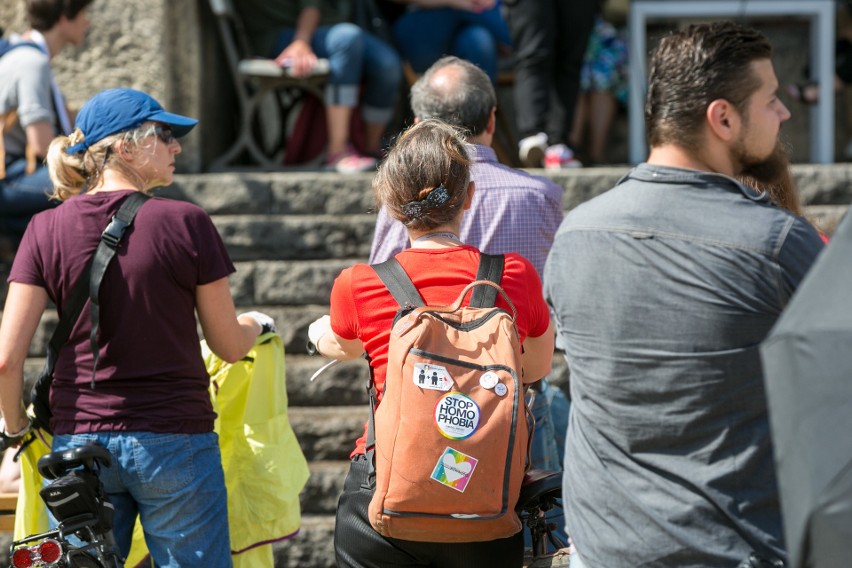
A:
x: 66, y: 170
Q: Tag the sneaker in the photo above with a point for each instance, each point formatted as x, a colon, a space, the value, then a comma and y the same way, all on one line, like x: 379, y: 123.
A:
x: 531, y: 150
x: 560, y: 157
x: 349, y: 162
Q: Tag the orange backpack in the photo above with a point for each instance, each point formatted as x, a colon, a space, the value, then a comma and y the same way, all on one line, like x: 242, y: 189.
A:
x: 451, y: 435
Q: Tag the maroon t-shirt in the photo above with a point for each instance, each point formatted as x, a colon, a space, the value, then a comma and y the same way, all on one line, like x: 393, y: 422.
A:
x: 150, y: 376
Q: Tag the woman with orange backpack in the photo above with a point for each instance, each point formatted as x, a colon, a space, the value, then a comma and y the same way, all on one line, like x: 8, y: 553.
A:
x: 425, y: 183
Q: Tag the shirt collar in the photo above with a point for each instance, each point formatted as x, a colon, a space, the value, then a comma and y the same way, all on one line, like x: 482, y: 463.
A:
x: 480, y: 153
x: 669, y: 174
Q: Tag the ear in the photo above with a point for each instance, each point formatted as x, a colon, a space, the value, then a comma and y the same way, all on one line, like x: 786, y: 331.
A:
x: 471, y: 188
x: 723, y: 120
x: 121, y: 149
x: 491, y: 127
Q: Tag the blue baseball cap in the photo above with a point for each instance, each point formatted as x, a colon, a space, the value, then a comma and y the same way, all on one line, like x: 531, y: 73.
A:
x: 119, y: 110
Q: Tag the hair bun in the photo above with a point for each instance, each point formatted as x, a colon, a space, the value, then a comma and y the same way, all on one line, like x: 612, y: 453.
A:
x: 437, y: 197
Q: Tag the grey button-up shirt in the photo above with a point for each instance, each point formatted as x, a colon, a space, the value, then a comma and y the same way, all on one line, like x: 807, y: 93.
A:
x: 662, y: 290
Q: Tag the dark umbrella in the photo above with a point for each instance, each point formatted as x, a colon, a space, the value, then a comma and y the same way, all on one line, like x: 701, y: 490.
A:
x: 807, y: 361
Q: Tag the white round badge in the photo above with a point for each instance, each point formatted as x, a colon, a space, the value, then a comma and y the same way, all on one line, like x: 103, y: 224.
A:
x: 456, y: 415
x: 488, y: 380
x: 500, y: 389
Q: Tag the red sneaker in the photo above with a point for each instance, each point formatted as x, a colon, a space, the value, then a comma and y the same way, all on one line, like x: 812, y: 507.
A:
x: 560, y: 157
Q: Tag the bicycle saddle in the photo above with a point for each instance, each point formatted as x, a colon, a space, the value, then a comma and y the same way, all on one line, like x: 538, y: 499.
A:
x: 537, y: 483
x: 56, y: 464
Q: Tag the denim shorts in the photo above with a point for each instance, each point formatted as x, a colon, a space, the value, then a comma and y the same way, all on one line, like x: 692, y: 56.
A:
x: 175, y: 484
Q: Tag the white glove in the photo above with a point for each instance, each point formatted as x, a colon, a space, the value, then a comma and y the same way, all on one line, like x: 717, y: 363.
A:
x: 266, y: 323
x: 319, y: 328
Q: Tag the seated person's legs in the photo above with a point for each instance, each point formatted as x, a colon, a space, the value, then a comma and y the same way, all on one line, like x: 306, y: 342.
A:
x: 382, y: 77
x: 424, y: 36
x: 476, y: 44
x: 492, y: 20
x: 343, y: 45
x: 22, y: 196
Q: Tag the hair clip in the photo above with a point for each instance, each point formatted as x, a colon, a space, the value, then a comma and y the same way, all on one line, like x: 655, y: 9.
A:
x: 437, y: 197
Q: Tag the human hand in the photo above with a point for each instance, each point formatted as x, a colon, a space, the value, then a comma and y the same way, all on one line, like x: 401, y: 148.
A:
x: 298, y: 57
x: 266, y: 323
x: 12, y: 439
x: 319, y: 328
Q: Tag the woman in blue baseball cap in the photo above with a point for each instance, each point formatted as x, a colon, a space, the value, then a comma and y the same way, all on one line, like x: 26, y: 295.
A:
x: 142, y: 392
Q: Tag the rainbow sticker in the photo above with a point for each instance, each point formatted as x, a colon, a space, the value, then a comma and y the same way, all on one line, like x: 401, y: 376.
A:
x: 454, y: 469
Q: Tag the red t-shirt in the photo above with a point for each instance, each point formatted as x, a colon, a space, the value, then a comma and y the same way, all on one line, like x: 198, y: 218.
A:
x: 151, y: 376
x: 362, y: 308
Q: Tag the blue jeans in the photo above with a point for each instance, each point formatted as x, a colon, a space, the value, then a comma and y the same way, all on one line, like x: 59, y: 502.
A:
x: 22, y: 196
x: 175, y: 483
x: 355, y: 56
x: 550, y: 410
x: 425, y: 35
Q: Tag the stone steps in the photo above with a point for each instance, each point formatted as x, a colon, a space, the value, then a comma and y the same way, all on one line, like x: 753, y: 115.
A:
x: 313, y: 547
x: 296, y: 237
x: 321, y: 237
x: 292, y: 260
x: 306, y: 193
x: 287, y: 282
x: 328, y: 433
x: 324, y: 486
x: 825, y: 217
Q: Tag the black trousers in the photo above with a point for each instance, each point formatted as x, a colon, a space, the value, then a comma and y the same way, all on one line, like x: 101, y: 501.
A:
x: 549, y: 39
x: 358, y: 545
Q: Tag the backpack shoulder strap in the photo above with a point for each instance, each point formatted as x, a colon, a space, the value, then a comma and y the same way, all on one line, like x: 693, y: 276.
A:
x: 491, y: 269
x: 106, y: 250
x: 398, y: 283
x: 6, y: 46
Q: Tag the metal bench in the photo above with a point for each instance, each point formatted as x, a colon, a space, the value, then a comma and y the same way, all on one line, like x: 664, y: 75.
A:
x: 255, y: 79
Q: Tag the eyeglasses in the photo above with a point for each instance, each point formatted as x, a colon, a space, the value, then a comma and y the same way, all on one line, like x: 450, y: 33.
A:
x: 164, y: 133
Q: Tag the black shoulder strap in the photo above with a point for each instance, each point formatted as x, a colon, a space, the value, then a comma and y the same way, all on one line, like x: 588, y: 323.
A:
x: 491, y: 269
x: 77, y: 299
x: 110, y: 238
x: 398, y: 283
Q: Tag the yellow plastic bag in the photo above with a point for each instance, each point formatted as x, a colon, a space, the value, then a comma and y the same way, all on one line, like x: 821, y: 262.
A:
x: 265, y: 469
x: 31, y: 513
